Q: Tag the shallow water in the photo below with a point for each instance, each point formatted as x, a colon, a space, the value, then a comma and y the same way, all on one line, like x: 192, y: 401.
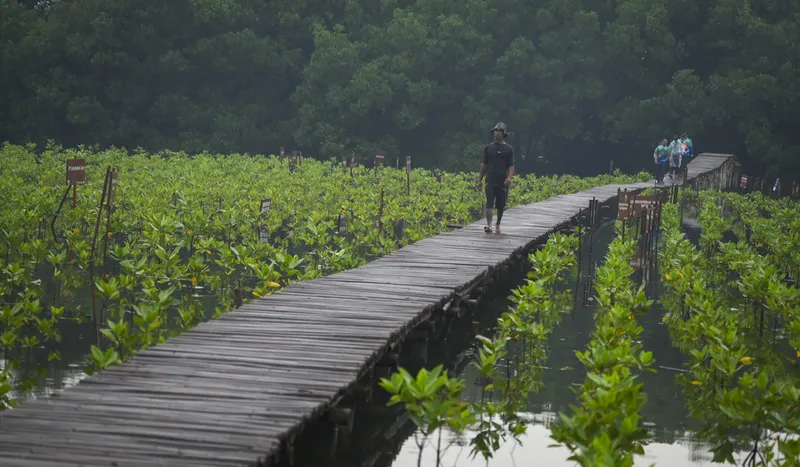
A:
x: 665, y: 415
x: 76, y: 341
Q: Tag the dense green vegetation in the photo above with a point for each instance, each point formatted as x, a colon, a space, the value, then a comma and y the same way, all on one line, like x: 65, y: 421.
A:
x: 735, y: 313
x: 577, y: 81
x: 184, y: 239
x: 732, y: 309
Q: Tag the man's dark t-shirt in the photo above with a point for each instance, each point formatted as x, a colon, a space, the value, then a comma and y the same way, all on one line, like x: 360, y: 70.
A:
x: 498, y: 158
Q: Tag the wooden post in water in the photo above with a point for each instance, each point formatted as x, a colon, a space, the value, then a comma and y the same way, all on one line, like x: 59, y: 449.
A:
x: 417, y: 341
x: 380, y: 214
x: 352, y: 162
x: 610, y: 170
x: 578, y: 276
x: 379, y: 157
x: 112, y: 191
x: 103, y: 195
x: 408, y: 175
x: 592, y: 219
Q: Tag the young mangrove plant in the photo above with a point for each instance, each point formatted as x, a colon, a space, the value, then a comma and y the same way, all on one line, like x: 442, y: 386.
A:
x: 605, y: 428
x: 741, y: 386
x: 510, y: 363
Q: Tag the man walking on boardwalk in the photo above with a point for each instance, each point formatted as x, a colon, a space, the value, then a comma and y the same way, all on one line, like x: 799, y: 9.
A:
x: 498, y: 167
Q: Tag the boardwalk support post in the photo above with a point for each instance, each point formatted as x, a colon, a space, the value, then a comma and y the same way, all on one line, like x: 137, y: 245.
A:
x: 386, y: 364
x: 342, y: 419
x: 362, y: 390
x: 418, y: 346
x: 288, y: 450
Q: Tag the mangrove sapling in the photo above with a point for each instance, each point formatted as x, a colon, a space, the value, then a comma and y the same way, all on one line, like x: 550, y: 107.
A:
x: 12, y: 320
x: 537, y: 309
x: 604, y: 429
x: 432, y: 401
x: 738, y: 386
x: 6, y: 385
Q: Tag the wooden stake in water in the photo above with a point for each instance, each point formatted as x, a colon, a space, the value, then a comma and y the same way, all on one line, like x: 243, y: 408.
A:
x: 379, y: 156
x: 380, y: 214
x: 610, y: 170
x: 408, y: 175
x: 103, y: 203
x: 341, y: 224
x: 112, y: 192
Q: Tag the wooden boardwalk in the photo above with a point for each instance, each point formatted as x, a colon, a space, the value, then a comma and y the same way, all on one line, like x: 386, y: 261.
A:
x: 230, y: 390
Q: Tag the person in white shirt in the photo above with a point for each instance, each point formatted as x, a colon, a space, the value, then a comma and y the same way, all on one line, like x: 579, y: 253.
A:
x: 675, y: 155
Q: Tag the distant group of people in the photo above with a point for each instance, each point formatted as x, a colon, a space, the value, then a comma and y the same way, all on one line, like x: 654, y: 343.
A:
x: 671, y: 157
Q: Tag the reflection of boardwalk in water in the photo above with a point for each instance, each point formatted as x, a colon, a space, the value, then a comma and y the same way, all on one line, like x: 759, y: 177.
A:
x: 236, y: 390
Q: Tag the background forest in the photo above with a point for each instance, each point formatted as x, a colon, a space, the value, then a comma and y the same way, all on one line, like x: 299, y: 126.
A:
x: 579, y: 82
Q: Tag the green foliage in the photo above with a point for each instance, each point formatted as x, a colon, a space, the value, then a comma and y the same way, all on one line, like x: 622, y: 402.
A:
x: 722, y: 299
x: 427, y: 77
x: 184, y: 239
x: 509, y: 364
x: 431, y: 399
x: 604, y: 429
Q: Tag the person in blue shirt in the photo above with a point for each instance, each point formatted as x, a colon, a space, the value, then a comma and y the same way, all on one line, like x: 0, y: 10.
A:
x: 661, y: 159
x: 688, y: 147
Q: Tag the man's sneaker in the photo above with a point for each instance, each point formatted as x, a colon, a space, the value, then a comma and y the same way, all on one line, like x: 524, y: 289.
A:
x: 487, y: 229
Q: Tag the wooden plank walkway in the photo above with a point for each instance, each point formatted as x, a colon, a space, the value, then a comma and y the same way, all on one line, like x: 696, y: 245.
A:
x: 226, y: 392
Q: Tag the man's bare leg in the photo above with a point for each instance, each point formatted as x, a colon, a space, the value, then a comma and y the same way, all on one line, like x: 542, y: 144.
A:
x: 499, y: 217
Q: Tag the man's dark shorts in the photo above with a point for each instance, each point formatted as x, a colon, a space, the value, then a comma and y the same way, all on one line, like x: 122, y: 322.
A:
x: 496, y: 196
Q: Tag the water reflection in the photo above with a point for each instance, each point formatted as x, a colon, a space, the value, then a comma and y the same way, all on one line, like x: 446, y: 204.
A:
x: 39, y: 375
x: 665, y: 415
x: 536, y: 450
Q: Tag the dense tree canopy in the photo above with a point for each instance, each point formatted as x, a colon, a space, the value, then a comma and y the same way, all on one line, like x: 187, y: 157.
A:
x: 577, y: 81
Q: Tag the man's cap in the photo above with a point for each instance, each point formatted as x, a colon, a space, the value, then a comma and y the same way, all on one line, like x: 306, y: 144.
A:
x: 500, y: 126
